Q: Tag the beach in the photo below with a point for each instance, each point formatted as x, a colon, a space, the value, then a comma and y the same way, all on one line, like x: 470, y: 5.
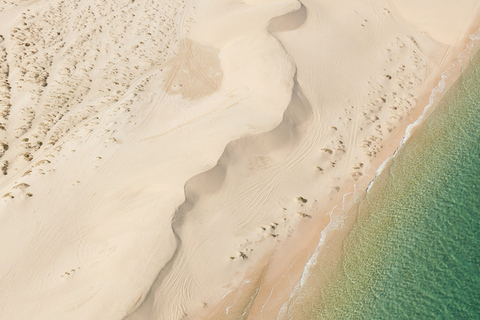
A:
x: 182, y: 159
x: 407, y: 248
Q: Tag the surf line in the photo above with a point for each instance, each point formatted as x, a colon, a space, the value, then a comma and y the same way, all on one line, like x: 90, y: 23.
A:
x: 448, y: 77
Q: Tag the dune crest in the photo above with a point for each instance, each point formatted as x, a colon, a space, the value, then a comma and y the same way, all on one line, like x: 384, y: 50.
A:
x: 100, y: 140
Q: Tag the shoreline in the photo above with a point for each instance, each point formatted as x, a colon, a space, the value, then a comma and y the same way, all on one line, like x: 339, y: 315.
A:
x: 301, y: 261
x: 447, y: 79
x: 388, y: 248
x: 444, y: 82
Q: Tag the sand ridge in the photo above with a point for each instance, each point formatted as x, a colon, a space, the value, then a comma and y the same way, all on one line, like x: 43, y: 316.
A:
x: 97, y: 166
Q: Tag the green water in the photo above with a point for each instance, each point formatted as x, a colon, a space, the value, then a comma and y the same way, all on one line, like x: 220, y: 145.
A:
x: 413, y: 251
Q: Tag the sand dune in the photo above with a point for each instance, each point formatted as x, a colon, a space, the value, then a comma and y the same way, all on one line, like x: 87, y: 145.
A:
x: 178, y: 159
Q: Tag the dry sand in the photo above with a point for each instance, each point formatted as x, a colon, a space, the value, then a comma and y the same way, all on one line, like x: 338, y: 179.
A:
x: 178, y: 159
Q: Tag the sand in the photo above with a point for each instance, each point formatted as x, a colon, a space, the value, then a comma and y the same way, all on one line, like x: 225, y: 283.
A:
x: 178, y: 159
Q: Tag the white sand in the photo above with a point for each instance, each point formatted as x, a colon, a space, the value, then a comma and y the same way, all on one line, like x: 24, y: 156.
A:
x: 155, y: 152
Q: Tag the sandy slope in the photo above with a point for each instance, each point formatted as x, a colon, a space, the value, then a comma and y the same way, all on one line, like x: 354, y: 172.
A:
x: 156, y: 153
x: 105, y: 123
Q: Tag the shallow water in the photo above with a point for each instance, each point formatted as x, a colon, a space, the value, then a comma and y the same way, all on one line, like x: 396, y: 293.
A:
x: 413, y: 248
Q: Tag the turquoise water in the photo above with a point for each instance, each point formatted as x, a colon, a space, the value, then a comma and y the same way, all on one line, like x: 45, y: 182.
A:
x: 413, y: 249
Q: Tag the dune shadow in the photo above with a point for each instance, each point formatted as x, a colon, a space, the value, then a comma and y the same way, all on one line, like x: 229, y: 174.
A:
x: 289, y: 21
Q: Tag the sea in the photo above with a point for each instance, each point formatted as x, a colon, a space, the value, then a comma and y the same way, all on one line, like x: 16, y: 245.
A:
x: 409, y: 248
